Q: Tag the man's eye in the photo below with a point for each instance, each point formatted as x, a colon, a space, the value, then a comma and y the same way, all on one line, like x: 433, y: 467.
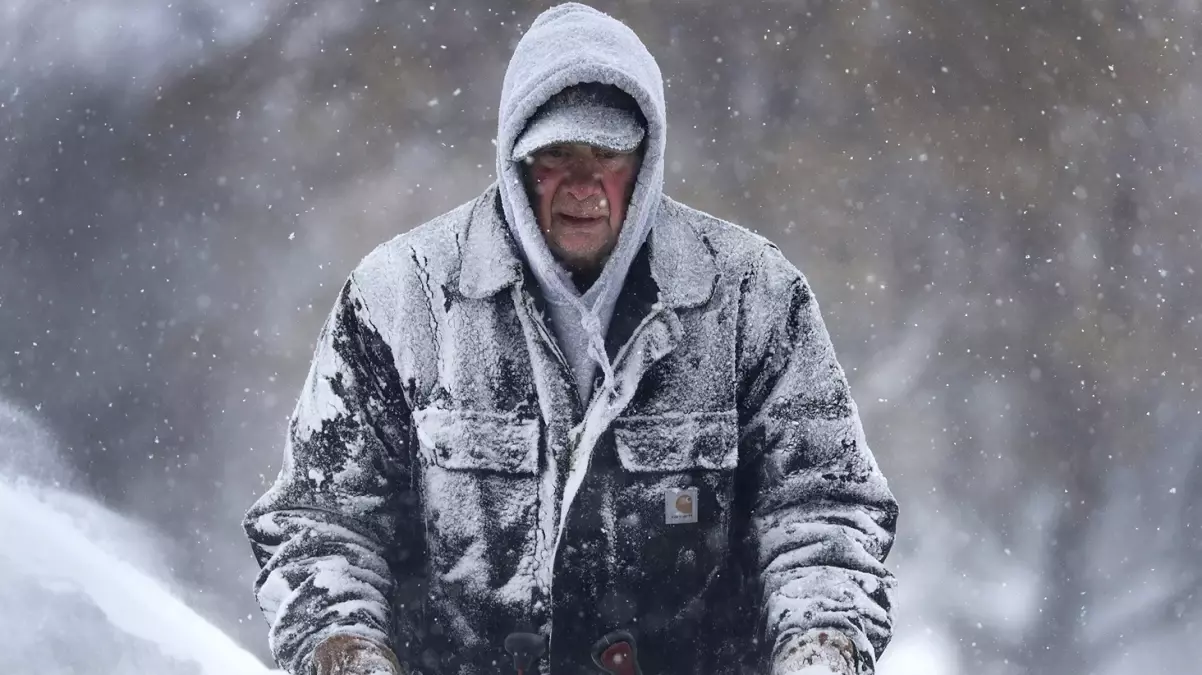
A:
x: 607, y: 154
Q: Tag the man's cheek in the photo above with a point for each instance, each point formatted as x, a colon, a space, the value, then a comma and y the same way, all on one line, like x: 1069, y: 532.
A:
x: 545, y: 174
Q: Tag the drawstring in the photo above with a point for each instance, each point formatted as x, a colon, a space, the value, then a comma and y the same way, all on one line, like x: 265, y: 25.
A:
x: 596, y: 343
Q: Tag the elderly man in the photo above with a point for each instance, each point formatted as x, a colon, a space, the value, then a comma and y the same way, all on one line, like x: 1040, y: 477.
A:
x: 574, y: 426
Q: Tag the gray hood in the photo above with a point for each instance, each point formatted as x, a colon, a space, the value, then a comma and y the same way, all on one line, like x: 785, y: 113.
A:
x: 567, y: 45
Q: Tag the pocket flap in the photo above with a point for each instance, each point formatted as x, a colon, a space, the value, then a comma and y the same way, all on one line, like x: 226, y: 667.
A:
x: 679, y: 442
x: 487, y: 441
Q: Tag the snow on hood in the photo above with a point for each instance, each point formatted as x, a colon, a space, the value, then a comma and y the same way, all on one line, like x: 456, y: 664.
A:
x: 567, y: 45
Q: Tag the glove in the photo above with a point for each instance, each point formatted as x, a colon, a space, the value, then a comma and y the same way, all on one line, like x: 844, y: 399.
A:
x: 354, y: 655
x: 817, y: 652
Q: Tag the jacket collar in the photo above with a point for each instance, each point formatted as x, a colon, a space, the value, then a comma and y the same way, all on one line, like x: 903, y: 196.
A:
x: 682, y: 264
x: 489, y: 261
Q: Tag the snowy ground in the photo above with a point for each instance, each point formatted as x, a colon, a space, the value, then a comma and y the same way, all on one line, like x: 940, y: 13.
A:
x: 73, y: 599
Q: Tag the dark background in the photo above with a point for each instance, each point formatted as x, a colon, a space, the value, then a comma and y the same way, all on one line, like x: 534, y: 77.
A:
x: 997, y: 203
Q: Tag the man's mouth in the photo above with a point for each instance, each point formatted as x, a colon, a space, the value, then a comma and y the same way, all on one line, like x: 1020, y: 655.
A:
x: 580, y: 220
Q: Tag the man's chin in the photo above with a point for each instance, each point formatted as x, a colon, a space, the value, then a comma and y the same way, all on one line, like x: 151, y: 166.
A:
x: 580, y: 261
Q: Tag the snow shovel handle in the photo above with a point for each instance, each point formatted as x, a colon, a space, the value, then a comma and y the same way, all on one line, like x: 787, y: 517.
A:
x: 525, y: 648
x: 616, y: 654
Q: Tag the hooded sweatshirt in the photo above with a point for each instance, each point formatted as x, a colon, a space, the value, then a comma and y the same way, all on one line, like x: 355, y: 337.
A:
x: 568, y: 45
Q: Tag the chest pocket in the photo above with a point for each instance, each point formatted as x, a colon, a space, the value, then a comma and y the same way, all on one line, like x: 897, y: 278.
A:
x: 677, y: 473
x: 675, y: 443
x: 677, y: 478
x: 482, y: 441
x: 480, y: 482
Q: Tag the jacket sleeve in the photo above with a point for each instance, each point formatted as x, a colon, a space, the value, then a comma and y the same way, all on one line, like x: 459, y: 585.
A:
x: 821, y: 516
x: 324, y: 533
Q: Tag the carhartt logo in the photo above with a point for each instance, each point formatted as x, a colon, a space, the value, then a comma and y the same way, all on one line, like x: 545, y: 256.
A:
x: 680, y: 505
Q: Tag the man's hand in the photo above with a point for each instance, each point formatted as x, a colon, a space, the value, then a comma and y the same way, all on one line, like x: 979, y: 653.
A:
x: 354, y: 655
x: 816, y: 653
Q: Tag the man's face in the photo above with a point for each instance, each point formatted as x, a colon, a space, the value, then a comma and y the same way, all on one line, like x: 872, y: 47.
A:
x: 580, y: 194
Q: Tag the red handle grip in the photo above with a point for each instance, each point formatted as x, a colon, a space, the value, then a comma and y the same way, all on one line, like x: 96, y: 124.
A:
x: 618, y: 659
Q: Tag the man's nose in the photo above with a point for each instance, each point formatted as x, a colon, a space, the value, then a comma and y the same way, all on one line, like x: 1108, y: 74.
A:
x: 584, y: 181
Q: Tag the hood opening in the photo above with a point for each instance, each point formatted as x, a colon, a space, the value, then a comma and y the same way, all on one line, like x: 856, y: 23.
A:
x: 569, y: 45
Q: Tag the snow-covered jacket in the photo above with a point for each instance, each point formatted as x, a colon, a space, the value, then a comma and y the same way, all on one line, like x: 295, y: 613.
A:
x: 442, y: 485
